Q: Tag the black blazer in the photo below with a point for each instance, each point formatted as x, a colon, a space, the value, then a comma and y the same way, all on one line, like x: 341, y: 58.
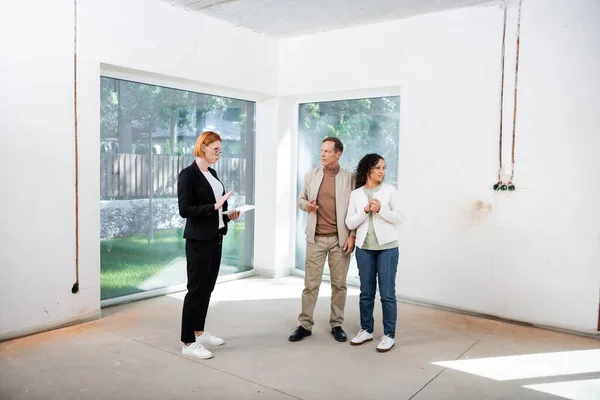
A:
x: 197, y: 204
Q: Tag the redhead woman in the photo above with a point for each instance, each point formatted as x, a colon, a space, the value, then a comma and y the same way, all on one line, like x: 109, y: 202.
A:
x: 203, y: 202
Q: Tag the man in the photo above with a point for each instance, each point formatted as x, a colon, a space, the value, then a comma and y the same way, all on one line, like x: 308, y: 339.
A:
x: 325, y: 197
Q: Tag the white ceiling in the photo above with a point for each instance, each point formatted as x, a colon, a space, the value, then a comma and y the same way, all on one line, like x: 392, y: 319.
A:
x: 286, y: 18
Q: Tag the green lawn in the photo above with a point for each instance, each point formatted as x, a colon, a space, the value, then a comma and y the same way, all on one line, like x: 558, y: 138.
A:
x: 127, y: 262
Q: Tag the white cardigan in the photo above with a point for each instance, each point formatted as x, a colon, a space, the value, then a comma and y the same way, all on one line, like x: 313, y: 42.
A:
x: 384, y: 222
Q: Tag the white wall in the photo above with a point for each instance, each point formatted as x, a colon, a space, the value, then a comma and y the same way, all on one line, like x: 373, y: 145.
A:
x: 37, y: 151
x: 275, y: 189
x: 535, y: 257
x: 552, y: 226
x: 172, y: 47
x: 155, y: 37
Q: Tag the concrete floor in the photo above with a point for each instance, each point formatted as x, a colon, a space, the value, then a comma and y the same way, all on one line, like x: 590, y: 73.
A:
x: 133, y: 352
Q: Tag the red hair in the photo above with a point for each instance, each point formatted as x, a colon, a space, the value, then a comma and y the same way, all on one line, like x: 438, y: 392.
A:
x: 206, y: 138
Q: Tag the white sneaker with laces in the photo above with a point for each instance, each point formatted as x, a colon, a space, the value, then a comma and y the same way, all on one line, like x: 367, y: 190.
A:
x: 207, y: 338
x: 385, y: 344
x: 196, y: 350
x: 362, y: 337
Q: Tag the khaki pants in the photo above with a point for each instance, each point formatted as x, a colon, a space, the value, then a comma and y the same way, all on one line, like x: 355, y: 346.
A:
x: 324, y: 246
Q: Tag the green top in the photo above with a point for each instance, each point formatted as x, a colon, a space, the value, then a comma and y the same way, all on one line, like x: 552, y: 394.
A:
x: 371, y: 239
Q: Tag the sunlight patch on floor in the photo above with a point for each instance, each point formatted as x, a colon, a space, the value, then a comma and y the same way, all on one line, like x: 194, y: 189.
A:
x: 588, y: 389
x: 264, y: 289
x: 529, y: 365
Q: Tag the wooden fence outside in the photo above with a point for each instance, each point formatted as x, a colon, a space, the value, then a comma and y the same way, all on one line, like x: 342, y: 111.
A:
x: 135, y: 176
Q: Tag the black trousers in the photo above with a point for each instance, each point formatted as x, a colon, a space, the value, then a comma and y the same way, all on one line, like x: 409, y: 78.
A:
x: 203, y: 263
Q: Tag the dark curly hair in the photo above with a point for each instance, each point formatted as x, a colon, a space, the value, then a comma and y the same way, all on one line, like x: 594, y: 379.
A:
x: 365, y: 165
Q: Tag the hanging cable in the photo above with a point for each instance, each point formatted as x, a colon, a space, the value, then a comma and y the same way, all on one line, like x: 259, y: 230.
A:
x: 498, y: 185
x: 75, y: 287
x: 511, y: 186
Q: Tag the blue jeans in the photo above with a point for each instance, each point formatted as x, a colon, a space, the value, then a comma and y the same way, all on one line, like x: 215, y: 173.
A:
x: 378, y: 266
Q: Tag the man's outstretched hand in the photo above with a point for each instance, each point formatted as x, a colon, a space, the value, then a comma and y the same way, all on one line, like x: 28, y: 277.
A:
x: 349, y: 245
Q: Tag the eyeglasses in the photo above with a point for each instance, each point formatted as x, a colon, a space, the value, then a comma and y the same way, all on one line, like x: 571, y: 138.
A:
x: 217, y: 151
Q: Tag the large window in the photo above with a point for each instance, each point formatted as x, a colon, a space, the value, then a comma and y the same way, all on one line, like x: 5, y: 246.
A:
x: 364, y: 126
x: 147, y: 136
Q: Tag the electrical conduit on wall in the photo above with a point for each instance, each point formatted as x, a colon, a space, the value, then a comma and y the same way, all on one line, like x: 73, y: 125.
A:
x: 501, y: 184
x: 75, y: 288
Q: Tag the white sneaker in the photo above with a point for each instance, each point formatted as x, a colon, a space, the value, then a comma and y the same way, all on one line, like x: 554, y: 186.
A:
x: 385, y: 344
x: 361, y: 337
x: 207, y: 338
x: 196, y: 350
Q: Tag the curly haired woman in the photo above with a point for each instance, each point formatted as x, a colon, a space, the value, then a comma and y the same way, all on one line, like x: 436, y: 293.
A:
x: 374, y: 211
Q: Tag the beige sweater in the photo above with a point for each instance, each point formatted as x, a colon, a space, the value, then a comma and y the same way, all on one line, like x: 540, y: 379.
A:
x: 344, y: 184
